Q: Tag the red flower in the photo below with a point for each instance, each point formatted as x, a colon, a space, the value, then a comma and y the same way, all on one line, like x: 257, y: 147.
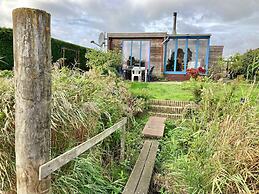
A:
x: 195, y: 72
x: 202, y: 70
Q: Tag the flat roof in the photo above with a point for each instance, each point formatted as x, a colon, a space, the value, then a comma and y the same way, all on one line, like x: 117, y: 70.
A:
x: 137, y: 35
x: 188, y: 35
x: 153, y: 35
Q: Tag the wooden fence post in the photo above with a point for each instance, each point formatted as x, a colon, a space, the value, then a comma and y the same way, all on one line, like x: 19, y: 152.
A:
x: 32, y: 59
x: 123, y: 137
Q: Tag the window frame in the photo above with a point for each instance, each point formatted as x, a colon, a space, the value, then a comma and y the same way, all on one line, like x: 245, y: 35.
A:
x: 197, y: 48
x: 140, y: 49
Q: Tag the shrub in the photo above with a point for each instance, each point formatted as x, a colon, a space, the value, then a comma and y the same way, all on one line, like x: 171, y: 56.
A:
x: 6, y: 51
x: 104, y: 62
x: 246, y: 64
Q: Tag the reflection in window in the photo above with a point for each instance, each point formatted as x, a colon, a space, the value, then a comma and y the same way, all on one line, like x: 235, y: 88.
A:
x: 170, y: 55
x: 184, y: 53
x: 136, y: 53
x: 202, y: 53
x: 145, y: 47
x: 126, y: 53
x: 180, y: 56
x: 135, y: 56
x: 192, y: 50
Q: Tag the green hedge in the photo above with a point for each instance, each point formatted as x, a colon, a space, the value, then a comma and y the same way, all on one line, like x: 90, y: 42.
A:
x: 6, y: 50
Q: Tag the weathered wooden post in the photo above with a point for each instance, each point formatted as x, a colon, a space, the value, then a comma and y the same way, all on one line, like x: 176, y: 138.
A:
x: 32, y: 58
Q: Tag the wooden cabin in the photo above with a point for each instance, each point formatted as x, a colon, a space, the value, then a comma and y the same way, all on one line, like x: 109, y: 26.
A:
x: 168, y: 55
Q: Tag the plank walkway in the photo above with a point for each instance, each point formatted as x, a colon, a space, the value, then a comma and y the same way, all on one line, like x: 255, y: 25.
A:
x: 154, y: 127
x: 140, y: 177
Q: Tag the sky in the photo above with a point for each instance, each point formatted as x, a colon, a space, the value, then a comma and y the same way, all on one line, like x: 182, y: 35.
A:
x: 232, y: 23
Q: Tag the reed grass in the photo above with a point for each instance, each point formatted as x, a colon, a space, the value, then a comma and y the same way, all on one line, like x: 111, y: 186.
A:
x: 217, y: 150
x: 82, y: 106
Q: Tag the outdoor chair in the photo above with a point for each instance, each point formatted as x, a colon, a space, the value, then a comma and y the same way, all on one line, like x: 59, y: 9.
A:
x: 150, y: 78
x: 136, y: 72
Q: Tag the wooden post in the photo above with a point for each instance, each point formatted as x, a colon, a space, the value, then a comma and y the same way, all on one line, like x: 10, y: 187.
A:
x: 123, y: 134
x: 32, y: 59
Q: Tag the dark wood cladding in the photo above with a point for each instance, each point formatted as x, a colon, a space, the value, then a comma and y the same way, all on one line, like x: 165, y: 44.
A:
x: 156, y: 51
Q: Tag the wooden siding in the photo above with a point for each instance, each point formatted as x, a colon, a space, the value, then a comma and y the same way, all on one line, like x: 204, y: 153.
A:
x: 156, y: 56
x: 215, y: 54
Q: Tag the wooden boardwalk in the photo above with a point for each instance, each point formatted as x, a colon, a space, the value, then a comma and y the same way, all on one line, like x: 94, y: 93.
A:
x: 140, y: 177
x: 154, y: 127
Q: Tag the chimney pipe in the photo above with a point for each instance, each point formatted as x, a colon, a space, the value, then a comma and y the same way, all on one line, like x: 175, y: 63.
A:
x: 174, y: 25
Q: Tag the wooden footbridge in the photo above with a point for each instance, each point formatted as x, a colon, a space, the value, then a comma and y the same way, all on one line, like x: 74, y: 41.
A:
x: 140, y: 177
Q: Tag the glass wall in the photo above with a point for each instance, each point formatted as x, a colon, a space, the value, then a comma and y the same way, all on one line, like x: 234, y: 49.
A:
x: 135, y: 56
x: 170, y: 53
x: 145, y: 52
x: 202, y: 53
x: 126, y: 47
x: 192, y: 53
x: 136, y: 53
x: 182, y: 53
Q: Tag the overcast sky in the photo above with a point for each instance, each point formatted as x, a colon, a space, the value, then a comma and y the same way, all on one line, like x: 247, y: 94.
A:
x: 232, y: 23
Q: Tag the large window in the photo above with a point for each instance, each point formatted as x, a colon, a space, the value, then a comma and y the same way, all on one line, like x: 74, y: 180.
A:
x: 182, y: 53
x: 136, y: 53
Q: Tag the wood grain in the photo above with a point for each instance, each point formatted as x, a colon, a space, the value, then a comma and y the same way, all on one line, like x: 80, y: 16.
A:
x: 56, y: 163
x: 32, y: 66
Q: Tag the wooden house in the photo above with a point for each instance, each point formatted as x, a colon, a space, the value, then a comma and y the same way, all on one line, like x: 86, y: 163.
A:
x: 168, y: 55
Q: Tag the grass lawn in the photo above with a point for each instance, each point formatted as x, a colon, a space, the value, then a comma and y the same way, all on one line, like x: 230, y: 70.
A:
x: 184, y: 90
x: 163, y: 90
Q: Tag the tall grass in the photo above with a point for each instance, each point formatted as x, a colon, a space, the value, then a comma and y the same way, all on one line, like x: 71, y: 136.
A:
x: 82, y: 106
x: 217, y: 151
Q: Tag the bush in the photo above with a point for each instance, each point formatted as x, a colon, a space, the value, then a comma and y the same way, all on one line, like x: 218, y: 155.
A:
x: 104, y: 62
x: 6, y: 51
x: 246, y: 64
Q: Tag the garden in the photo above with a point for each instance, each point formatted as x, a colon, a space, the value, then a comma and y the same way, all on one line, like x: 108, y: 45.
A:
x: 211, y: 149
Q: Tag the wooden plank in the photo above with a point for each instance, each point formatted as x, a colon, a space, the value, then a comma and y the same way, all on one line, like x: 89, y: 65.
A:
x: 138, y: 168
x: 144, y: 181
x: 51, y: 166
x: 154, y: 127
x: 123, y: 139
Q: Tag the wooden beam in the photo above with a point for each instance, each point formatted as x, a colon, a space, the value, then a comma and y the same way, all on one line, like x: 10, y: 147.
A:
x: 144, y: 181
x: 123, y: 139
x: 32, y: 67
x: 56, y: 163
x: 136, y: 173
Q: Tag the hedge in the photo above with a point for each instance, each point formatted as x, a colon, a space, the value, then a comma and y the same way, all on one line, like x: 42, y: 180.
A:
x: 6, y: 50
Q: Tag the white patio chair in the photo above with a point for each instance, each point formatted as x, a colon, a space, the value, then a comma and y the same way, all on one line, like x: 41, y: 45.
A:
x: 136, y: 72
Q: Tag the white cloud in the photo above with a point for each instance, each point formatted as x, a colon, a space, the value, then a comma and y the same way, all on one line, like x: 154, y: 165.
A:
x: 232, y: 23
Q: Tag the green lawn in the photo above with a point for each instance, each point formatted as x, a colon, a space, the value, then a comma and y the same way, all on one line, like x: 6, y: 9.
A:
x: 184, y: 90
x: 165, y: 91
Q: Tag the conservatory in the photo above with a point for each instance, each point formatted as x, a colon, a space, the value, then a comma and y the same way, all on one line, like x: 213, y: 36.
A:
x: 183, y: 52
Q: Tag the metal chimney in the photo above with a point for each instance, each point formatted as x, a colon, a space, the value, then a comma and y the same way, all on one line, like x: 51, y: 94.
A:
x: 174, y: 25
